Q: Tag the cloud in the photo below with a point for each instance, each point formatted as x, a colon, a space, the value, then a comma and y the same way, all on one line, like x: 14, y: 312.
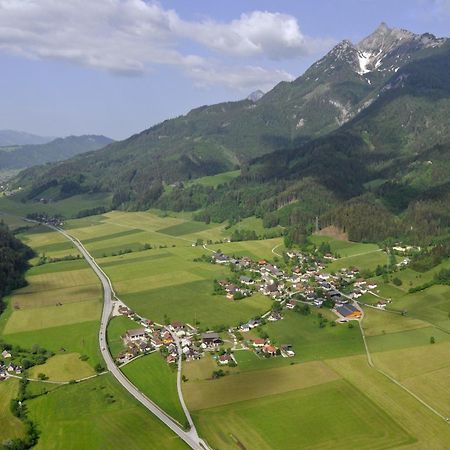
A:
x: 274, y: 35
x: 134, y: 36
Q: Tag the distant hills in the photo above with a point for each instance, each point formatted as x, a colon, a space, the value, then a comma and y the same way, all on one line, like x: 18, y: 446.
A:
x: 365, y: 128
x: 12, y: 137
x: 23, y: 156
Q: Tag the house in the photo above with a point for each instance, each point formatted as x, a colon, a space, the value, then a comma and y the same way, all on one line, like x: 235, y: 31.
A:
x: 291, y: 304
x: 269, y: 350
x: 259, y: 342
x: 220, y: 258
x: 274, y: 316
x: 225, y: 359
x: 349, y: 311
x: 253, y: 323
x: 6, y: 354
x: 244, y: 327
x: 135, y: 335
x: 318, y: 302
x: 171, y: 359
x: 211, y: 340
x: 246, y: 280
x: 176, y: 326
x: 262, y: 262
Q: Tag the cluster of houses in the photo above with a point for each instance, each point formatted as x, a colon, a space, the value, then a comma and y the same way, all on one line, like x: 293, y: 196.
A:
x: 306, y: 282
x: 8, y: 368
x: 151, y: 336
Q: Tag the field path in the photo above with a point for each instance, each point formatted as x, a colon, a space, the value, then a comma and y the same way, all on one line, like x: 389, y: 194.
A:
x: 372, y: 365
x: 190, y: 437
x: 274, y: 252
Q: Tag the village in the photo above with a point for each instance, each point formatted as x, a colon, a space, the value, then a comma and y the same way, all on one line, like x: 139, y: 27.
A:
x: 303, y: 281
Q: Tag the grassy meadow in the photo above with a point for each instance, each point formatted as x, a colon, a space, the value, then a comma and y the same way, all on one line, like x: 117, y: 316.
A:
x: 252, y: 424
x: 11, y: 427
x: 97, y: 414
x: 152, y: 376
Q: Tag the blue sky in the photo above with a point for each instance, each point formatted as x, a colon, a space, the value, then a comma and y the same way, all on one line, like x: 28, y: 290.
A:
x: 116, y: 67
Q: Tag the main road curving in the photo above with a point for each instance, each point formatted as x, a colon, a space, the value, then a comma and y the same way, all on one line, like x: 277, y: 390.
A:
x: 190, y: 437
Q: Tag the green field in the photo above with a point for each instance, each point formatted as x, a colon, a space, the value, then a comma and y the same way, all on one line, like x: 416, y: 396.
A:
x: 11, y: 427
x: 117, y: 327
x: 238, y: 386
x: 68, y: 207
x: 97, y: 414
x: 215, y: 180
x: 305, y: 418
x: 156, y: 379
x: 327, y: 388
x: 311, y: 342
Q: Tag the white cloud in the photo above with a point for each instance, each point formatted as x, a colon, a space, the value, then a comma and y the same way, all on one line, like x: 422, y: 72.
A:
x: 132, y: 36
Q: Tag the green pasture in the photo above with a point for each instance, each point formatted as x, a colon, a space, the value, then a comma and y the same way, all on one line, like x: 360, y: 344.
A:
x: 215, y: 180
x: 378, y: 322
x: 97, y: 414
x: 11, y: 427
x: 305, y: 418
x: 158, y: 381
x: 79, y: 338
x: 309, y: 341
x: 117, y: 327
x: 344, y: 248
x: 426, y: 428
x: 405, y: 339
x: 239, y: 386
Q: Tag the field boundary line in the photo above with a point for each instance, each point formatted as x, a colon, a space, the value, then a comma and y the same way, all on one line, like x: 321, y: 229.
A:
x: 393, y: 380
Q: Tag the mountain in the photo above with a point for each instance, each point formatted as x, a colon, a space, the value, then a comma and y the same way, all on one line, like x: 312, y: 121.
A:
x: 368, y: 120
x: 12, y: 137
x: 255, y: 96
x: 20, y: 157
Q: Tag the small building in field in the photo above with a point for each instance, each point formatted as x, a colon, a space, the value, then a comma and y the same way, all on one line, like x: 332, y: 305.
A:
x: 225, y: 359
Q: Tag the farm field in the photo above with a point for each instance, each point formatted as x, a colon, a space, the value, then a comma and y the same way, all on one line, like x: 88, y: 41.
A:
x: 239, y: 386
x: 59, y: 310
x: 100, y: 414
x: 378, y: 322
x: 152, y: 376
x: 426, y: 428
x: 68, y: 207
x: 63, y: 367
x: 344, y: 249
x: 311, y: 342
x: 254, y: 426
x: 11, y: 427
x: 117, y: 327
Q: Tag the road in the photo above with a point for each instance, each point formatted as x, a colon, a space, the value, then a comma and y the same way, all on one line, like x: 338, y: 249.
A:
x: 190, y: 437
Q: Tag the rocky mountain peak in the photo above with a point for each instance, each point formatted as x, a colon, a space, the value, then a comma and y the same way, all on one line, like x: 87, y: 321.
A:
x: 255, y: 95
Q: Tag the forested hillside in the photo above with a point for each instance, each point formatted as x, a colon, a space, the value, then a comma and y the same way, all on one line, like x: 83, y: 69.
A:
x: 23, y: 156
x: 14, y: 256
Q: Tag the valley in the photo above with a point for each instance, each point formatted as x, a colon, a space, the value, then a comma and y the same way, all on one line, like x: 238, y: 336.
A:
x: 60, y: 310
x: 271, y: 272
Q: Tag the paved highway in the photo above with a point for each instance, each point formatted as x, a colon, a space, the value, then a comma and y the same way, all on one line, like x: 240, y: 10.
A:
x: 190, y: 437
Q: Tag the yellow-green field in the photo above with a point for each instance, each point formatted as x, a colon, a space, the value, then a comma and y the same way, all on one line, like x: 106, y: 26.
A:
x: 63, y: 368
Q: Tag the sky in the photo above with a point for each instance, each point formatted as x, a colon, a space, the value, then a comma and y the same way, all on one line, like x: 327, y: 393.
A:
x: 117, y: 67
